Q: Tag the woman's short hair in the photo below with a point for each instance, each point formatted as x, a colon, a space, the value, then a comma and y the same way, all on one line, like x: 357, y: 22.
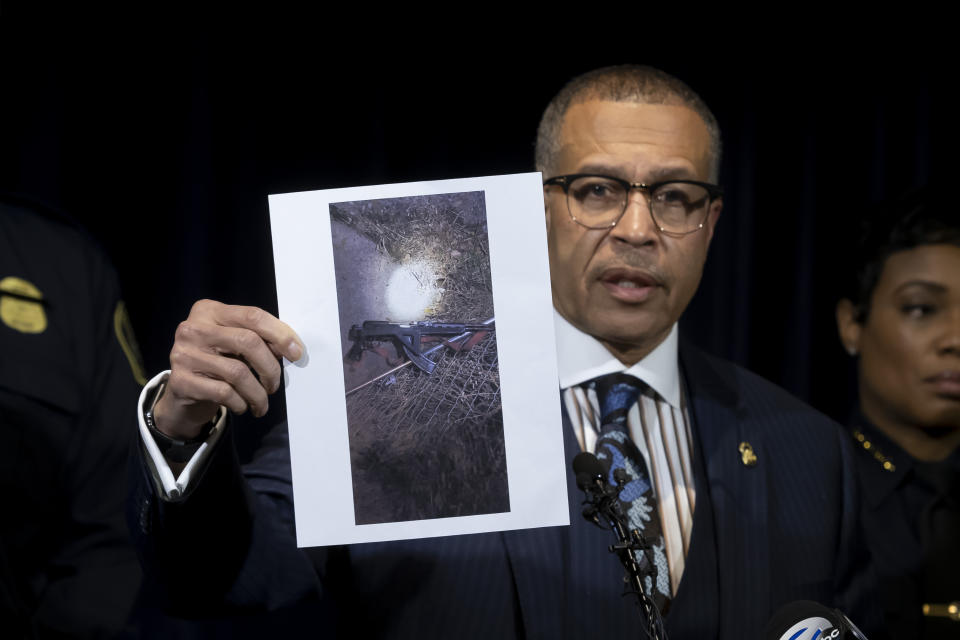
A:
x: 918, y: 218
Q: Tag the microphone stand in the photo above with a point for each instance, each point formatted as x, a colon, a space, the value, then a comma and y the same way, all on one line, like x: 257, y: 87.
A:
x: 602, y: 504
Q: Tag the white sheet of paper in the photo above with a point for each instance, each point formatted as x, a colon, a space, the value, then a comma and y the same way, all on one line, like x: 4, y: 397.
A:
x: 316, y: 407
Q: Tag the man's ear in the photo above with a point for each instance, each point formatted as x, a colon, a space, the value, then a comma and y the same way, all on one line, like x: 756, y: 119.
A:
x: 848, y: 327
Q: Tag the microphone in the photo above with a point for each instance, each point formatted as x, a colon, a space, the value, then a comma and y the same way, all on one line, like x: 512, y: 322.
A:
x: 602, y: 507
x: 587, y: 469
x: 808, y: 620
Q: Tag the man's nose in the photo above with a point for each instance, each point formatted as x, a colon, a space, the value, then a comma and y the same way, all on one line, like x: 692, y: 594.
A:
x: 636, y: 226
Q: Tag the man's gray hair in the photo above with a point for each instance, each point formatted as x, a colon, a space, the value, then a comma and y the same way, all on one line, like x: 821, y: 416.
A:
x: 623, y: 83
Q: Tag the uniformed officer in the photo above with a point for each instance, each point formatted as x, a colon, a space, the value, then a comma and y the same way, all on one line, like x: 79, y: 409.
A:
x: 901, y: 320
x: 69, y: 367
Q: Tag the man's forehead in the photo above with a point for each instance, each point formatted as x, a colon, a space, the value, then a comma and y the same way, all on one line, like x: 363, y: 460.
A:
x: 609, y: 128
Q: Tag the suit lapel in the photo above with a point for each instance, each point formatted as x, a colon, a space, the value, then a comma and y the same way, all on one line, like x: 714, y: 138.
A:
x: 539, y: 573
x: 695, y: 608
x: 538, y: 579
x: 567, y: 582
x: 737, y: 492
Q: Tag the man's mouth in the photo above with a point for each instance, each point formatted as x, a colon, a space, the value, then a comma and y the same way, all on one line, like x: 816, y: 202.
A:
x: 628, y: 285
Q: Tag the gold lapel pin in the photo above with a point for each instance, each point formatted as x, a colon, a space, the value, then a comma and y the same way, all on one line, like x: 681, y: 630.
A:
x: 747, y: 456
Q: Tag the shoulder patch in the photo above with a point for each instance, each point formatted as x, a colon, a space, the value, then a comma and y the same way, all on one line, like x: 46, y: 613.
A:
x: 128, y: 342
x: 21, y: 306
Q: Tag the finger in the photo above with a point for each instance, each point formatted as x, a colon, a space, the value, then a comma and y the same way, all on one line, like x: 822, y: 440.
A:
x: 231, y: 341
x: 194, y: 388
x: 234, y: 372
x: 278, y: 335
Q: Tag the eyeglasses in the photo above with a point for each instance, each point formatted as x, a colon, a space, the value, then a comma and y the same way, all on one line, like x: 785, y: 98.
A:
x: 678, y: 207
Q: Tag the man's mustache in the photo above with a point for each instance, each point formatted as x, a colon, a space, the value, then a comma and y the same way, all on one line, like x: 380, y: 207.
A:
x: 631, y: 262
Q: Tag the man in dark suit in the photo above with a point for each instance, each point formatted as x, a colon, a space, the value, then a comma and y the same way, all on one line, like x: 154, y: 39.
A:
x: 752, y: 493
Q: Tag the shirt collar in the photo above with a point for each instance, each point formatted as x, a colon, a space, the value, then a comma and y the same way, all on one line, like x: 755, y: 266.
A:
x: 581, y: 357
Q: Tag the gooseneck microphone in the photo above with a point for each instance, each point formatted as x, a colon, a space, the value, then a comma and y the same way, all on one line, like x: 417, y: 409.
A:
x: 808, y: 620
x: 602, y: 507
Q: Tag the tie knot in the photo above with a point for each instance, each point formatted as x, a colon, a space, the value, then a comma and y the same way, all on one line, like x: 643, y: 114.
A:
x: 616, y: 393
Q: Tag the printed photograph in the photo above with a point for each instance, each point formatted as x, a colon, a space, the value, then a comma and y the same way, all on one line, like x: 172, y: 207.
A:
x: 418, y: 332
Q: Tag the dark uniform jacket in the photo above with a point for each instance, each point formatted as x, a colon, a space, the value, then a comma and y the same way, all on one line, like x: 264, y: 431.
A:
x: 66, y: 384
x: 767, y: 530
x: 911, y: 518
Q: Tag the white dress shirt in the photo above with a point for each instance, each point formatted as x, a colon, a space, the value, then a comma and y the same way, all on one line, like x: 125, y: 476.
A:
x: 658, y: 424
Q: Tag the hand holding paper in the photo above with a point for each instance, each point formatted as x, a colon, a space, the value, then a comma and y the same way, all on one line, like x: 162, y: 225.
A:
x: 217, y: 350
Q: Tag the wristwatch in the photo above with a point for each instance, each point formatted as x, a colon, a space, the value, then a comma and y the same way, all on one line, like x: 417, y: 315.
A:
x: 173, y: 449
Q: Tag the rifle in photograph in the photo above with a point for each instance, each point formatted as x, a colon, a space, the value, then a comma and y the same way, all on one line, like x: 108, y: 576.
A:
x: 407, y: 337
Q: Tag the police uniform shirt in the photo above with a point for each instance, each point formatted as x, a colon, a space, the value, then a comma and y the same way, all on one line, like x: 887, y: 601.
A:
x: 911, y: 517
x: 67, y: 374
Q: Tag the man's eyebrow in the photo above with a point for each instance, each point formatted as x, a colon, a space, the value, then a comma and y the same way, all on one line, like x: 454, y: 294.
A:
x: 603, y: 170
x: 933, y: 287
x: 668, y: 173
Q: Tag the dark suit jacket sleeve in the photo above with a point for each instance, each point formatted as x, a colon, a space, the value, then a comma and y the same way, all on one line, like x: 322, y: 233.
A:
x: 229, y: 544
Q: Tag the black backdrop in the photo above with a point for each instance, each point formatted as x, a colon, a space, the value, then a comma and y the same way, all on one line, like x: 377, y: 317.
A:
x: 165, y: 142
